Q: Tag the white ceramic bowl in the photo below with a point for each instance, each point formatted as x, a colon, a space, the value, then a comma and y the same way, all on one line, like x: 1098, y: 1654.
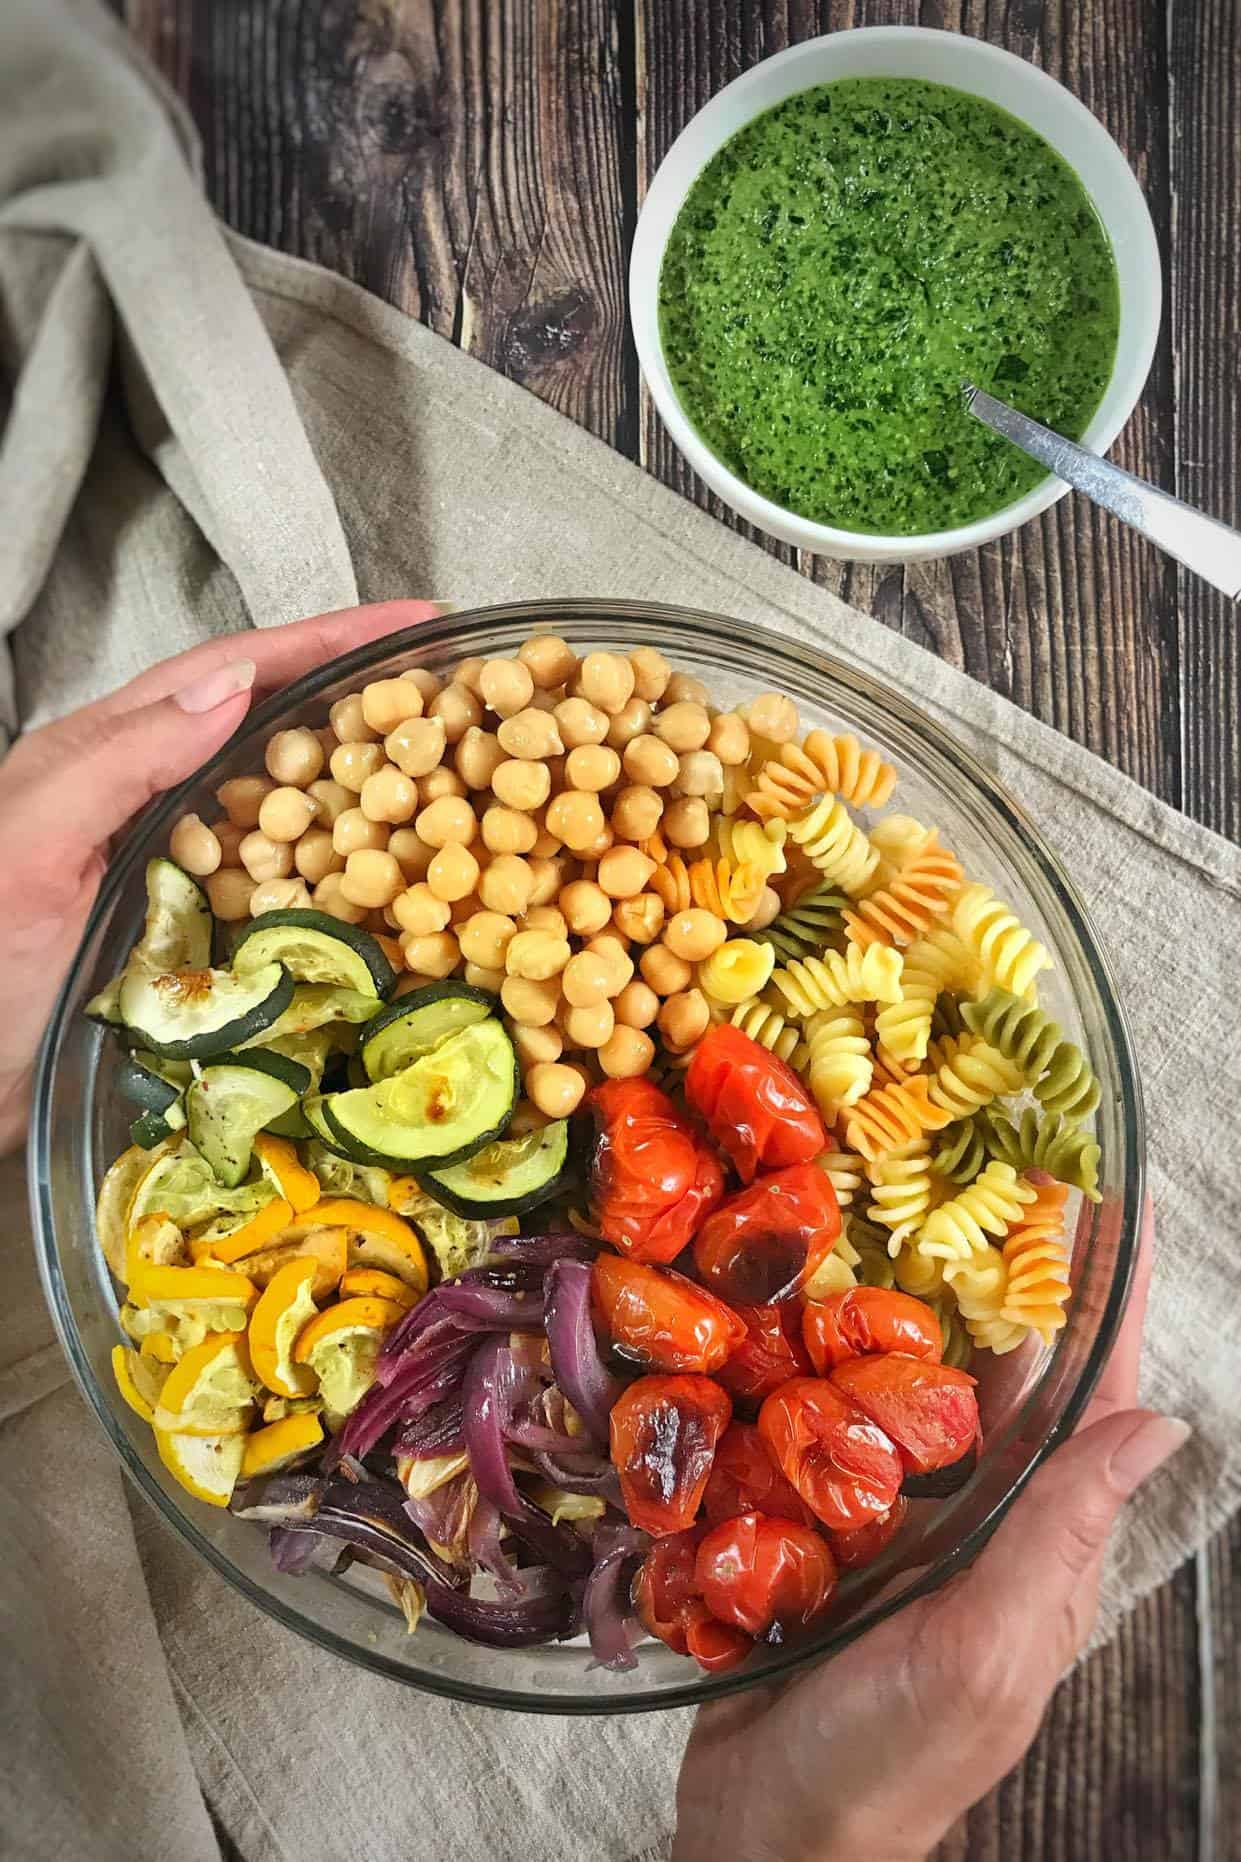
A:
x: 964, y: 64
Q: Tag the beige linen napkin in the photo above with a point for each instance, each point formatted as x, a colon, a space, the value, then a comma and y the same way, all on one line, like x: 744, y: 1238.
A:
x: 163, y: 476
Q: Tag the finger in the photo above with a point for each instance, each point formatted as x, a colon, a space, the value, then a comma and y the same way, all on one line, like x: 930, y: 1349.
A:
x: 1118, y: 1385
x: 280, y: 654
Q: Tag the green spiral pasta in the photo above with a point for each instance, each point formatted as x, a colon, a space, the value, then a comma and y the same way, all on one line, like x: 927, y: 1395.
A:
x: 1048, y: 1142
x: 947, y: 1022
x: 803, y: 930
x: 1058, y: 1071
x: 958, y: 1345
x: 874, y: 1266
x: 962, y: 1152
x: 969, y: 1073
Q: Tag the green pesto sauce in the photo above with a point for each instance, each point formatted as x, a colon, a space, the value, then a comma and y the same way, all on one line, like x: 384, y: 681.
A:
x: 845, y: 262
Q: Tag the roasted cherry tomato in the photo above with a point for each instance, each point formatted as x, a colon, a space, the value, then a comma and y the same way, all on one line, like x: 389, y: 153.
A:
x: 867, y: 1319
x: 651, y: 1180
x: 664, y: 1434
x: 666, y: 1598
x: 769, y: 1577
x: 770, y: 1353
x: 929, y: 1410
x: 841, y: 1463
x: 853, y: 1550
x: 662, y: 1320
x: 715, y: 1645
x: 754, y: 1106
x: 762, y: 1244
x: 745, y: 1479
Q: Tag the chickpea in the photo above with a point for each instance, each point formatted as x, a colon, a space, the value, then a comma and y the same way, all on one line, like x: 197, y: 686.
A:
x: 684, y: 726
x: 608, y: 946
x: 773, y: 716
x: 448, y: 820
x: 242, y: 797
x: 264, y: 858
x: 468, y: 673
x: 230, y: 837
x: 767, y: 909
x: 229, y: 892
x: 684, y: 1019
x: 427, y: 683
x: 506, y: 685
x: 194, y: 847
x: 686, y: 822
x: 637, y: 1005
x: 419, y: 912
x: 729, y: 739
x: 548, y: 876
x: 286, y: 813
x: 682, y: 689
x: 694, y: 934
x: 331, y: 799
x: 595, y: 849
x: 453, y: 873
x: 435, y: 955
x: 531, y: 735
x: 315, y: 857
x: 535, y: 1046
x: 607, y: 680
x: 279, y: 895
x: 556, y: 1090
x: 478, y: 757
x: 623, y: 872
x: 546, y: 918
x: 353, y: 831
x: 505, y: 830
x: 386, y: 703
x: 651, y: 673
x: 665, y: 973
x: 329, y: 898
x: 390, y: 946
x: 411, y: 852
x: 586, y: 907
x: 371, y: 878
x: 294, y: 757
x: 590, y: 1026
x: 636, y: 812
x: 348, y: 722
x: 484, y: 938
x: 639, y: 920
x: 575, y: 818
x: 506, y: 886
x: 389, y: 796
x: 417, y: 746
x: 529, y: 1001
x: 523, y: 786
x: 457, y: 709
x: 352, y: 763
x: 550, y: 660
x: 626, y: 1053
x: 700, y: 773
x: 536, y: 955
x: 479, y: 977
x: 545, y: 842
x: 580, y: 723
x: 592, y: 767
x: 649, y: 761
x: 632, y: 720
x: 440, y: 782
x: 587, y: 978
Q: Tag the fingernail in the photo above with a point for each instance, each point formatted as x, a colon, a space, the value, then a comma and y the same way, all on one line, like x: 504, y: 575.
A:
x: 1151, y: 1444
x: 215, y: 687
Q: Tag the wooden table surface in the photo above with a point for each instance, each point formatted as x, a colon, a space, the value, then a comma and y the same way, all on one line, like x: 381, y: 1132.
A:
x: 480, y: 164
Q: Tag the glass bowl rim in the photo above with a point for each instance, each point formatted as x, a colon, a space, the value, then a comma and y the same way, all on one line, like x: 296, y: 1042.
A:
x: 462, y: 627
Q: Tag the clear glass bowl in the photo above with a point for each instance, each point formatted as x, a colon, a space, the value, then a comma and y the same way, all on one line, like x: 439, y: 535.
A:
x: 1030, y: 1400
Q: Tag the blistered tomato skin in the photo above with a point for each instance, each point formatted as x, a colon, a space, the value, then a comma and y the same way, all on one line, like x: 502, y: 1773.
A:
x: 771, y: 1352
x: 768, y: 1577
x: 661, y: 1320
x: 864, y: 1320
x: 745, y: 1479
x: 839, y: 1460
x: 761, y: 1245
x: 930, y: 1411
x: 664, y: 1433
x: 652, y: 1180
x: 853, y: 1551
x: 664, y: 1591
x: 754, y: 1106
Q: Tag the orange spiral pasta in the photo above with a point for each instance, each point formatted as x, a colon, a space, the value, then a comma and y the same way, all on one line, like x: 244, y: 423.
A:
x: 905, y: 908
x: 822, y: 765
x: 892, y: 1117
x: 1037, y: 1261
x: 730, y: 891
x: 670, y: 882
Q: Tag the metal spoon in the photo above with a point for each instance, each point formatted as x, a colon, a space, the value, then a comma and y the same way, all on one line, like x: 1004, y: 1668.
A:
x: 1204, y: 545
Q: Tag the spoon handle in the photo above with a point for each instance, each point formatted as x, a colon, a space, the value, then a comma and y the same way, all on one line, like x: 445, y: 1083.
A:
x: 1209, y: 548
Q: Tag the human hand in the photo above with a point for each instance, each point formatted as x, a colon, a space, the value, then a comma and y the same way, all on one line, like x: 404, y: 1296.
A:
x: 877, y: 1752
x: 66, y: 789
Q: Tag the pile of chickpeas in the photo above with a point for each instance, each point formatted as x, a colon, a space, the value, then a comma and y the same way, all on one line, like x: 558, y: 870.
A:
x: 503, y: 826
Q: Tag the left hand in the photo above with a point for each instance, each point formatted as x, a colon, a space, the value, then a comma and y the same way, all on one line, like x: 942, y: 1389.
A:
x: 66, y: 789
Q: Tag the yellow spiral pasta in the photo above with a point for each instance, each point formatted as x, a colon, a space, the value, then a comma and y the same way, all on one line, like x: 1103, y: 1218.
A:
x: 902, y: 1191
x: 903, y: 910
x: 960, y: 1228
x: 971, y: 1073
x: 736, y: 971
x: 1009, y: 955
x: 1036, y: 1264
x: 731, y: 892
x: 896, y: 839
x: 839, y: 977
x: 770, y: 1029
x: 827, y: 833
x: 892, y: 1117
x: 844, y: 1172
x: 980, y: 1286
x: 822, y: 765
x: 937, y: 961
x: 752, y: 843
x: 838, y: 1064
x: 916, y: 1273
x: 670, y: 882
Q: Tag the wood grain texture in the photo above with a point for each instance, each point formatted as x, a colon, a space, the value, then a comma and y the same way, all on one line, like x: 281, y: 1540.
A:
x: 480, y: 164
